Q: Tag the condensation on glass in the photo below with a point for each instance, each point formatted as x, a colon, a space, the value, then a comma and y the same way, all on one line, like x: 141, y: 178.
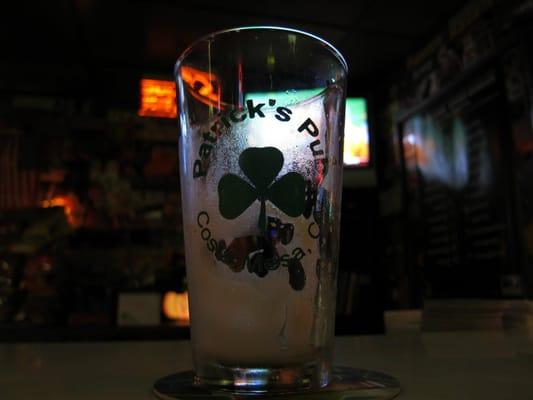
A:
x: 261, y: 112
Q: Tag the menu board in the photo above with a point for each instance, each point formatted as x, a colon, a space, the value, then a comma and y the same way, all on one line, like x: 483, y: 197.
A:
x: 459, y: 190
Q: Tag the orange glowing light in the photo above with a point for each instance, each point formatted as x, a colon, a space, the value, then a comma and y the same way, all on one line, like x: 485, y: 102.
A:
x: 71, y: 208
x: 158, y: 99
x: 415, y: 149
x: 203, y: 86
x: 176, y: 306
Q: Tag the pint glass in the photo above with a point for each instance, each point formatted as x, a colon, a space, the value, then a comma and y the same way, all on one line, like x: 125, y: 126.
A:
x: 261, y: 111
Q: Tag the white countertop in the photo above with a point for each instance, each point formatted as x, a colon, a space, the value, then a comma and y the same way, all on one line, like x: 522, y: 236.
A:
x: 430, y: 366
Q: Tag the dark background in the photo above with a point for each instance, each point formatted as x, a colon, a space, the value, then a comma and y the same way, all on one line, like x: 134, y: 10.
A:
x: 442, y: 219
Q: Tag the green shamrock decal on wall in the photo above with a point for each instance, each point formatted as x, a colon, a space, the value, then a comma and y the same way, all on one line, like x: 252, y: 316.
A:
x: 261, y: 165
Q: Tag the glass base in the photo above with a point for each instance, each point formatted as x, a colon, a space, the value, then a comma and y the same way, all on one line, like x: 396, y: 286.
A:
x: 313, y: 375
x: 345, y: 383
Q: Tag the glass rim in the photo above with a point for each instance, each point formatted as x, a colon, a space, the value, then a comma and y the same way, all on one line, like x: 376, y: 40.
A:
x: 332, y: 49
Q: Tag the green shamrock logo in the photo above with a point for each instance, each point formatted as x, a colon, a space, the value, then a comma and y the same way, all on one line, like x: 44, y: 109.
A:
x: 261, y: 166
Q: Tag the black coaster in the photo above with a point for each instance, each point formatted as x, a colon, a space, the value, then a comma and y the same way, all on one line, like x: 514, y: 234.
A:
x: 347, y: 384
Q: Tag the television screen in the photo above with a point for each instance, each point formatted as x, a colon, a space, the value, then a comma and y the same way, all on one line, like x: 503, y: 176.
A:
x: 356, y: 135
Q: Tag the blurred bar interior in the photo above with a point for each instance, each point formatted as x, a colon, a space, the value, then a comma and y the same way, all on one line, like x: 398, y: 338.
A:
x: 437, y: 219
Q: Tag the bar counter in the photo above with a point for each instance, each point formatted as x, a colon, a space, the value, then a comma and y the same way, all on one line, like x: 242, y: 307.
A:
x: 430, y: 366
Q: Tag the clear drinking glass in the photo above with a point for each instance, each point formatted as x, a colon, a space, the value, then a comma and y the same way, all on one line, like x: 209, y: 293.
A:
x: 262, y: 113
